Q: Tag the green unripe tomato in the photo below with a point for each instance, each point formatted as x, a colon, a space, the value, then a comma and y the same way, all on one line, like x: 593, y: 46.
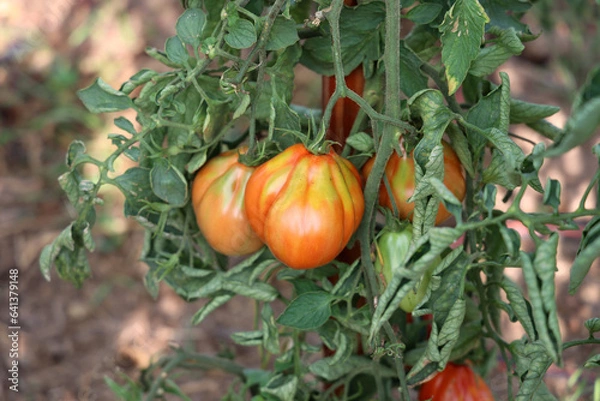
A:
x: 392, y: 247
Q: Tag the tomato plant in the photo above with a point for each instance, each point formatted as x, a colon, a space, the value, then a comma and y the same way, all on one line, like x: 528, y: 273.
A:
x: 412, y: 98
x: 392, y: 247
x: 400, y: 174
x: 218, y: 199
x: 455, y: 383
x: 305, y: 207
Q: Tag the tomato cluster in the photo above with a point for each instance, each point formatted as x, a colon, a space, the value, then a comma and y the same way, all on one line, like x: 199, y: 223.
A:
x: 303, y: 206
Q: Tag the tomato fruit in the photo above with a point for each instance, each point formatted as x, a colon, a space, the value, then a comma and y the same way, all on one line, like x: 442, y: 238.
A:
x: 400, y: 172
x: 392, y: 247
x: 305, y: 207
x: 218, y: 201
x: 456, y: 383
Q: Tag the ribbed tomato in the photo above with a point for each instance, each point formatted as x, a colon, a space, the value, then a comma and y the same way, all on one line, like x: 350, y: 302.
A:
x: 305, y: 207
x: 400, y: 172
x: 456, y: 383
x: 218, y: 201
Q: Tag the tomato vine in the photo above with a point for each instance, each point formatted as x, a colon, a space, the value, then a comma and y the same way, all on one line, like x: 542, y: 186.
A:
x: 229, y: 83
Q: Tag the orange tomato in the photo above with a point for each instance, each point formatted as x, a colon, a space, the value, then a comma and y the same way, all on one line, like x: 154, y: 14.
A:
x: 305, y: 207
x: 218, y: 201
x: 400, y: 172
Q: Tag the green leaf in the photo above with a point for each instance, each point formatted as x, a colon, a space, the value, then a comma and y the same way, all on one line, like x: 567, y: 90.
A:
x: 491, y: 57
x: 135, y: 185
x: 210, y: 307
x: 360, y: 39
x: 270, y: 333
x: 196, y: 161
x: 412, y: 80
x: 257, y: 290
x: 582, y: 264
x: 102, y: 98
x: 308, y: 311
x: 241, y: 34
x: 76, y: 151
x: 331, y: 372
x: 282, y: 386
x: 539, y: 277
x: 424, y: 13
x: 190, y: 25
x: 248, y: 338
x: 125, y: 125
x: 520, y: 306
x: 362, y: 142
x: 522, y: 112
x: 501, y: 17
x: 552, y: 194
x: 168, y: 183
x: 283, y: 34
x: 176, y: 50
x: 532, y: 362
x: 584, y: 120
x: 592, y: 362
x: 462, y: 32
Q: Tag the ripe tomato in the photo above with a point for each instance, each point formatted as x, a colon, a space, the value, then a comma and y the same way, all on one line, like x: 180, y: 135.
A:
x: 218, y: 201
x: 392, y: 247
x: 400, y: 172
x: 456, y: 383
x: 305, y: 207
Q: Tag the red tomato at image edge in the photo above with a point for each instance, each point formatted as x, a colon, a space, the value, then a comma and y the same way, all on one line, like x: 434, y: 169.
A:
x: 456, y: 383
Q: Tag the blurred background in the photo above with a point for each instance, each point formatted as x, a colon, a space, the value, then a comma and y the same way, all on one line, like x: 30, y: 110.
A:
x: 72, y: 338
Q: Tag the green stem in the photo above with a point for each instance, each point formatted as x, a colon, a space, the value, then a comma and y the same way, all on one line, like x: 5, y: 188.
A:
x: 576, y: 343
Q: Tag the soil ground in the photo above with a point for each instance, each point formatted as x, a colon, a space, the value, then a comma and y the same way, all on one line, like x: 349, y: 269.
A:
x: 70, y: 339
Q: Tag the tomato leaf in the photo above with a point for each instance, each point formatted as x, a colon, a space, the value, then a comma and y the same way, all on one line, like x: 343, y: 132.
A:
x: 539, y: 277
x: 176, y: 50
x: 520, y: 306
x: 588, y: 252
x: 412, y: 80
x: 360, y: 38
x: 211, y: 306
x: 532, y: 361
x: 270, y: 333
x: 584, y: 119
x: 241, y: 35
x: 552, y: 194
x: 282, y: 387
x: 327, y: 370
x: 168, y: 183
x: 134, y: 183
x: 526, y: 112
x: 499, y: 17
x: 362, y: 142
x: 449, y: 307
x: 424, y: 13
x: 283, y: 34
x: 592, y: 362
x: 462, y: 32
x: 296, y: 316
x: 102, y: 98
x: 190, y: 26
x: 507, y: 44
